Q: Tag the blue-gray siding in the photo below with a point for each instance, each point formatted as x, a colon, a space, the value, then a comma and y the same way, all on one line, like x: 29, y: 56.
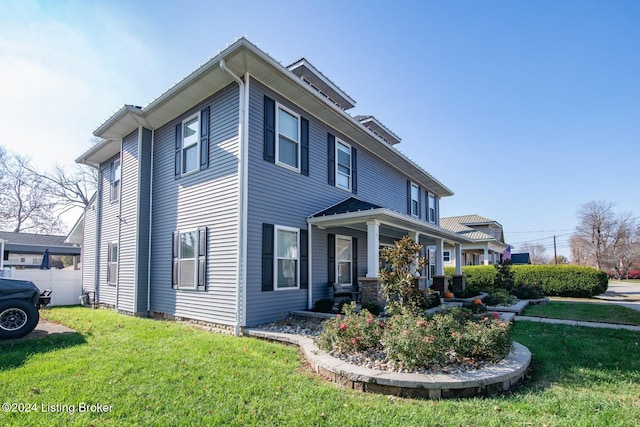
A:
x: 109, y: 230
x: 144, y: 200
x: 283, y: 197
x: 128, y: 223
x: 207, y: 198
x: 89, y: 248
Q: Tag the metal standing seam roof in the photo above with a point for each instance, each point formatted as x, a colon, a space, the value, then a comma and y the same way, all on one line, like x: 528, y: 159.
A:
x: 457, y: 224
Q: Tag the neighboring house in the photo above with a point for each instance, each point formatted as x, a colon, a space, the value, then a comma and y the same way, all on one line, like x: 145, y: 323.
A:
x: 487, y: 235
x: 239, y: 194
x: 521, y: 259
x: 25, y: 250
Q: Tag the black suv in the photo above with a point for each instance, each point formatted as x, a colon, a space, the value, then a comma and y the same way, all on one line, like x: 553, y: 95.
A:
x: 20, y: 301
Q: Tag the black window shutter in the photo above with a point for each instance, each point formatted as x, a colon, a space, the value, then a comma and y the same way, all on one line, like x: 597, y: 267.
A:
x: 354, y: 260
x: 267, y: 257
x: 304, y: 146
x: 331, y: 258
x: 204, y: 138
x: 202, y: 258
x: 419, y: 202
x: 269, y: 151
x: 354, y: 170
x: 178, y: 160
x: 331, y: 159
x: 174, y: 265
x: 304, y: 259
x: 409, y: 197
x: 108, y: 262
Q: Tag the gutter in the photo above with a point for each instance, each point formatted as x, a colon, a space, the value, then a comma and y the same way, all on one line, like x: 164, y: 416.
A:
x: 243, y: 134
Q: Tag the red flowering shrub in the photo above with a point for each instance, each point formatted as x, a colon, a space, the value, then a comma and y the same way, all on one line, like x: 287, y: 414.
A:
x: 352, y: 332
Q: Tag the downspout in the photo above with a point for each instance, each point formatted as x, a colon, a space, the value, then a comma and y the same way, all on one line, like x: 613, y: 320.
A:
x: 310, y: 266
x: 243, y: 120
x: 153, y: 141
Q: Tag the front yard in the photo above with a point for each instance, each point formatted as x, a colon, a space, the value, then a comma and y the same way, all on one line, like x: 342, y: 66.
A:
x: 149, y: 372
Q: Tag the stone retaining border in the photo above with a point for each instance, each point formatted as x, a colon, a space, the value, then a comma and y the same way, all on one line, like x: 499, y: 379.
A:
x: 494, y: 379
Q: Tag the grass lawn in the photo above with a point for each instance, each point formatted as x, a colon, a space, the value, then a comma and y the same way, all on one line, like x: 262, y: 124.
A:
x: 586, y: 311
x: 168, y: 374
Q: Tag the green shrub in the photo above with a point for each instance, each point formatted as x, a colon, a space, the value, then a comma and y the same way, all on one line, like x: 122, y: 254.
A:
x: 352, y: 332
x: 552, y: 280
x: 373, y: 308
x: 523, y: 291
x: 563, y: 280
x: 499, y: 297
x: 477, y: 277
x: 323, y: 305
x: 447, y: 337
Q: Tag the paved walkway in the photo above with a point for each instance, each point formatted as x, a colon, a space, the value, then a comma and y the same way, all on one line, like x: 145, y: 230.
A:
x: 578, y: 323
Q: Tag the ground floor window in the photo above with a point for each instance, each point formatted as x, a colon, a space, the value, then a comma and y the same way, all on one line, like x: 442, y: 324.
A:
x: 286, y: 259
x: 343, y: 260
x: 112, y: 263
x: 446, y: 256
x: 189, y: 259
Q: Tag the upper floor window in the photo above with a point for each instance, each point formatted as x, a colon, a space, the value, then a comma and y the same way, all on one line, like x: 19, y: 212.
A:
x: 286, y: 259
x: 343, y: 165
x: 415, y: 200
x: 116, y: 177
x: 432, y: 208
x: 191, y: 144
x: 288, y: 140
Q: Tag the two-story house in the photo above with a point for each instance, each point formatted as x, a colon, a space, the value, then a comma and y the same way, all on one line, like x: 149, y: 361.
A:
x: 240, y: 193
x: 487, y: 235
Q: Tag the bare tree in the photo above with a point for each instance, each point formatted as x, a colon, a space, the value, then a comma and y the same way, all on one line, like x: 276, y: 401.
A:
x: 605, y: 239
x: 595, y: 227
x: 71, y: 188
x: 25, y: 203
x: 536, y: 252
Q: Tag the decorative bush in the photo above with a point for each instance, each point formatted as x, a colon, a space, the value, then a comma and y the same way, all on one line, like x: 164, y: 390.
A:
x: 555, y: 280
x: 399, y: 281
x: 323, y: 305
x: 352, y: 332
x: 373, y: 308
x: 563, y: 280
x: 522, y: 291
x: 499, y: 297
x: 445, y: 338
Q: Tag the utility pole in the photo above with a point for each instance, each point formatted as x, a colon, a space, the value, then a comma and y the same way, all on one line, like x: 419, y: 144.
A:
x: 555, y: 252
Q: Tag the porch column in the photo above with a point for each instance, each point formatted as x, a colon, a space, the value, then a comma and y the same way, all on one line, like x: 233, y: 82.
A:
x: 457, y: 248
x: 373, y: 248
x: 486, y: 256
x: 439, y: 263
x: 416, y: 238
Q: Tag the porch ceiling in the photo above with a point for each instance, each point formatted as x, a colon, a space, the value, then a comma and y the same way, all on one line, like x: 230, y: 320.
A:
x: 392, y: 224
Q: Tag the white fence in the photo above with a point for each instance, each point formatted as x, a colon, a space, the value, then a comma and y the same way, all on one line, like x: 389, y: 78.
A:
x: 66, y: 285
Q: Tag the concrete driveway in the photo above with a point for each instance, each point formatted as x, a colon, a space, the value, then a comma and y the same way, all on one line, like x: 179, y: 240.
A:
x: 627, y: 294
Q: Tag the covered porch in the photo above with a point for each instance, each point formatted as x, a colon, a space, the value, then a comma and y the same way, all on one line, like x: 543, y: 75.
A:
x: 380, y: 227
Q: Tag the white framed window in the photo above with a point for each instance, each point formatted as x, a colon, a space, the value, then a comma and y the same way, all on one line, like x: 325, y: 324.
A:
x: 187, y: 259
x: 116, y: 178
x: 191, y: 144
x: 343, y: 165
x: 343, y: 260
x: 446, y: 256
x: 287, y: 258
x: 432, y: 208
x: 112, y: 263
x: 415, y: 200
x: 288, y: 138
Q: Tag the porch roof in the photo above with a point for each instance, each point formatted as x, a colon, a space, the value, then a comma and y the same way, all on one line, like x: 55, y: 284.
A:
x: 354, y: 213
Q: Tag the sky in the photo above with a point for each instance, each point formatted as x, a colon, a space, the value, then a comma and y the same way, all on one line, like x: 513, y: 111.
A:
x: 526, y: 110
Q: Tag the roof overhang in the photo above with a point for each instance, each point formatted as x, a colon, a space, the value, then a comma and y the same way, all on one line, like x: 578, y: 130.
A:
x: 17, y: 248
x: 388, y: 218
x: 240, y: 58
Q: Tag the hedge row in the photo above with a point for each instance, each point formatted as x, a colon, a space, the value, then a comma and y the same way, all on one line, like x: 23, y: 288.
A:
x: 553, y: 280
